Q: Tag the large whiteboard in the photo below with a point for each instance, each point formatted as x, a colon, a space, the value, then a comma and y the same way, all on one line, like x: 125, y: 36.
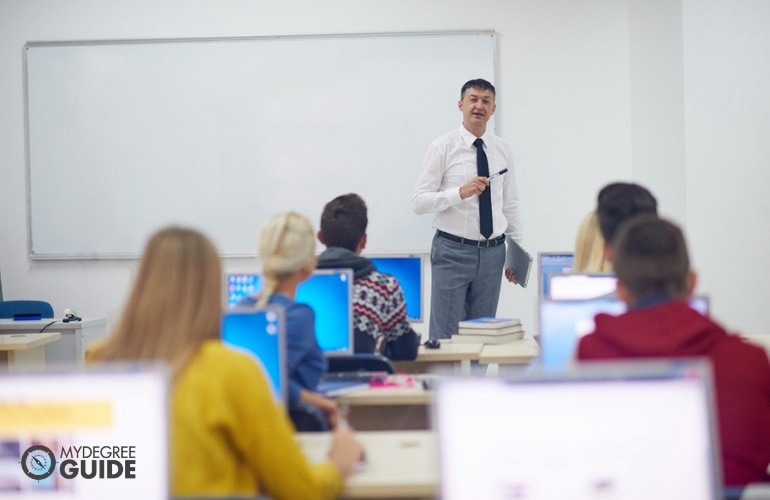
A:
x: 126, y: 136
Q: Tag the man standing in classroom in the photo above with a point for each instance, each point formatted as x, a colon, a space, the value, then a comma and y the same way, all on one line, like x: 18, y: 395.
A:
x: 468, y: 183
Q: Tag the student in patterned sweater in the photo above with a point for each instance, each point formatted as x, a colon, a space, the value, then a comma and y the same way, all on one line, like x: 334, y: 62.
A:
x: 379, y: 308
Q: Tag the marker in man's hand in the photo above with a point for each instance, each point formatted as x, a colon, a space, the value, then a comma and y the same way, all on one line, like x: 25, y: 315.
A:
x: 497, y: 173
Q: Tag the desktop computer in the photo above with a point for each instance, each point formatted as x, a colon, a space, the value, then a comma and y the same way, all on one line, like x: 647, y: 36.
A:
x: 329, y: 292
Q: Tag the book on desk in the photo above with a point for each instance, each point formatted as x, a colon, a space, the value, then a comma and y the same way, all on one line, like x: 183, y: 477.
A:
x: 488, y: 323
x: 491, y: 331
x: 488, y: 330
x: 501, y: 338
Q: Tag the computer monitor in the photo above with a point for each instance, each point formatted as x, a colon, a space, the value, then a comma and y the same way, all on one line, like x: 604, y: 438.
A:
x: 80, y: 434
x: 563, y: 322
x: 328, y: 291
x: 578, y: 286
x: 407, y: 269
x: 260, y: 333
x: 552, y: 262
x: 603, y: 430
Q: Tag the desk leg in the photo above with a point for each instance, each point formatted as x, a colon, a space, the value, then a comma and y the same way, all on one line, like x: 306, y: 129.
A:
x: 26, y: 358
x: 465, y: 366
x: 493, y: 369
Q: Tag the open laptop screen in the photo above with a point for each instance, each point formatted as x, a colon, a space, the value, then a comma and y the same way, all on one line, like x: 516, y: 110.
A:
x: 329, y: 292
x: 100, y: 432
x: 261, y: 333
x: 625, y: 431
x: 577, y: 286
x: 563, y: 322
x: 552, y: 262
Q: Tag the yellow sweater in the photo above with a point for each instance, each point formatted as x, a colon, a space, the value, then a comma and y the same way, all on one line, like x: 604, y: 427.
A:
x: 230, y: 437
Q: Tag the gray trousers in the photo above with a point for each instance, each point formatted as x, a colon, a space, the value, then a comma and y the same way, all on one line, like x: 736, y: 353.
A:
x: 465, y: 284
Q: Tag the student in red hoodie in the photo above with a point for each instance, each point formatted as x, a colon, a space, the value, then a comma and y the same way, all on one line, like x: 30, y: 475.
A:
x: 655, y: 280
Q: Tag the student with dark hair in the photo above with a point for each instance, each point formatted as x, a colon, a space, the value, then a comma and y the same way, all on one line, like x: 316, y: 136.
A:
x: 379, y: 308
x: 469, y: 184
x: 655, y: 281
x: 619, y: 201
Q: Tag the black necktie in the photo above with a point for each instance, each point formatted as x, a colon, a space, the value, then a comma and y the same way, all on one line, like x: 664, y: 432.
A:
x: 485, y: 198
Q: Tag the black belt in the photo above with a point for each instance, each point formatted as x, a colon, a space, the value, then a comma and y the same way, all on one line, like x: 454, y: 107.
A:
x: 476, y: 243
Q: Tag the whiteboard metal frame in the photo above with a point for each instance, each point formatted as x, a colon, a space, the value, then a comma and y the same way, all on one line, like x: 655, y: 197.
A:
x: 96, y: 256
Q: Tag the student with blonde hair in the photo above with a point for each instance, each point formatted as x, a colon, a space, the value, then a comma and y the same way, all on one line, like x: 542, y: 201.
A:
x: 287, y: 249
x: 228, y: 434
x: 590, y: 255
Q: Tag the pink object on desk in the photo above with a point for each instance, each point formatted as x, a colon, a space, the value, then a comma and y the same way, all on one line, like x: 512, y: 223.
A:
x: 403, y: 380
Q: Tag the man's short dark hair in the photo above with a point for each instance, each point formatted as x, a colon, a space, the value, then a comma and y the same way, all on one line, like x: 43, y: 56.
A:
x: 344, y: 221
x: 618, y: 202
x: 478, y: 83
x: 651, y: 257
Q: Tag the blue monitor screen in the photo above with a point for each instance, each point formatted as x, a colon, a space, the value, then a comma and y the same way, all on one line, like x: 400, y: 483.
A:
x: 329, y: 292
x: 408, y: 271
x: 260, y: 333
x: 553, y: 262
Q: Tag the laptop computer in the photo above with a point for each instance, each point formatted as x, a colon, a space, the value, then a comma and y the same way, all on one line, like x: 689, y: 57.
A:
x: 578, y: 286
x: 261, y: 333
x: 328, y: 291
x: 633, y: 430
x: 80, y: 434
x: 563, y: 322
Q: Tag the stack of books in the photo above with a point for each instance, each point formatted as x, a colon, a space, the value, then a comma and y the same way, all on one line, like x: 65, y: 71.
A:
x: 488, y: 331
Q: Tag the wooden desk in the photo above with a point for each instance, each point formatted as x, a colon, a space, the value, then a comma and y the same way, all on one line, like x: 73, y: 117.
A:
x: 25, y: 350
x: 459, y: 356
x: 76, y: 336
x: 388, y: 396
x: 390, y: 408
x: 400, y: 464
x: 518, y: 352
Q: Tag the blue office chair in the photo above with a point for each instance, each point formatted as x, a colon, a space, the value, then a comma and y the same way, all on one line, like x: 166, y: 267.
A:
x: 25, y: 309
x: 360, y: 363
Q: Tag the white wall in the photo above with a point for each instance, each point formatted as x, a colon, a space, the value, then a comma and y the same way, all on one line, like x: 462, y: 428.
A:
x: 727, y: 103
x: 589, y: 91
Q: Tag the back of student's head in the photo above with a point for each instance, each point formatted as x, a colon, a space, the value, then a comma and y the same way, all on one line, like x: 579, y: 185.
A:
x: 589, y: 247
x: 651, y: 258
x: 618, y: 202
x: 344, y: 221
x: 286, y: 245
x: 174, y: 304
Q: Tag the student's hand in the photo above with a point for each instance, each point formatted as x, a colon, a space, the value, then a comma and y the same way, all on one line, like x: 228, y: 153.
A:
x: 475, y: 187
x: 510, y: 275
x: 328, y: 406
x: 345, y: 451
